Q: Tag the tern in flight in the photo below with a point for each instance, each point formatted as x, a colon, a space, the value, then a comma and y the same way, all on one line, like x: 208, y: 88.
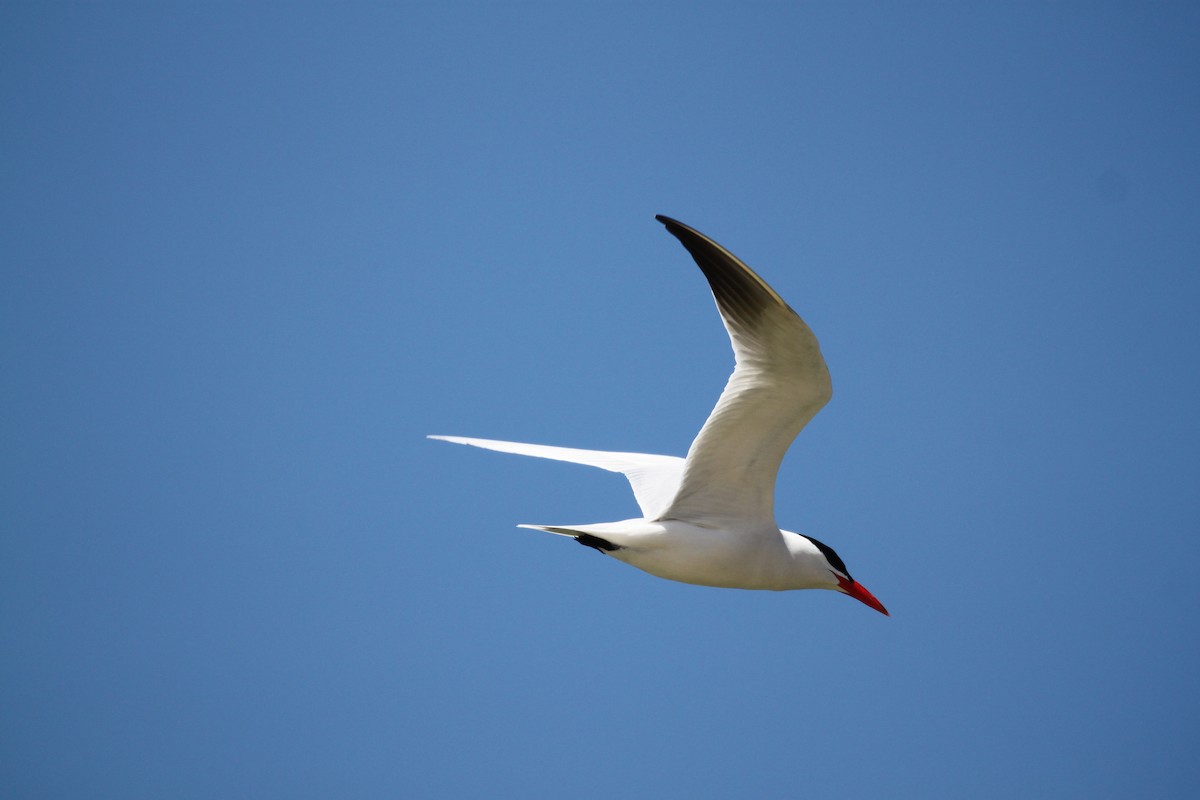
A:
x: 709, y: 519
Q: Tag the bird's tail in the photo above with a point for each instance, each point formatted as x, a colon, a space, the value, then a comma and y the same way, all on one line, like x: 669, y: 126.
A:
x: 597, y: 543
x: 606, y: 537
x: 586, y: 539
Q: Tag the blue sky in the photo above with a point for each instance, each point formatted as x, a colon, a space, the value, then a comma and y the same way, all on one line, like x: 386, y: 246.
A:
x: 255, y: 252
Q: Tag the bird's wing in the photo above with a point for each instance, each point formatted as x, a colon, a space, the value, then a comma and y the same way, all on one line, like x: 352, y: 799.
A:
x: 654, y: 479
x: 779, y: 383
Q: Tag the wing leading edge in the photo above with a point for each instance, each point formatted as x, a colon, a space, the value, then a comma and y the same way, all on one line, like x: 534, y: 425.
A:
x: 779, y: 382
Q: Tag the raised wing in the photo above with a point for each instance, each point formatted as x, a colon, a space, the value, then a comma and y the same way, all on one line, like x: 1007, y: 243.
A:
x: 654, y: 479
x: 779, y: 383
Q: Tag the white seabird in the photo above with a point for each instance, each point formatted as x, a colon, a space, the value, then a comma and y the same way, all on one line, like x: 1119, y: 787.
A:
x: 709, y: 519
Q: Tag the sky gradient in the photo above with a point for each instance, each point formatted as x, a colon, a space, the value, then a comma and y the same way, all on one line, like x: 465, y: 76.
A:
x: 254, y: 253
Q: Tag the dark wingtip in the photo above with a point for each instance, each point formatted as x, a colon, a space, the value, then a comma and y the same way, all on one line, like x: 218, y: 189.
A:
x: 683, y: 232
x: 741, y: 294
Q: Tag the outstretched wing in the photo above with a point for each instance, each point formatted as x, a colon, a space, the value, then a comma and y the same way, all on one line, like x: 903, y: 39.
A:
x: 654, y: 479
x: 779, y: 383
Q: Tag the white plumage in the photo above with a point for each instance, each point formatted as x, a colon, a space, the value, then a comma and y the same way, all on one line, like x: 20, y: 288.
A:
x: 709, y: 519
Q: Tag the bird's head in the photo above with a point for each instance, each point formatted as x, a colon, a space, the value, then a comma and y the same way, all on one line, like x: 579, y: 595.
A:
x: 844, y: 583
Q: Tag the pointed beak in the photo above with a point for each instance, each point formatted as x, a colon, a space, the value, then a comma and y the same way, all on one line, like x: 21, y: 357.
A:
x: 860, y: 593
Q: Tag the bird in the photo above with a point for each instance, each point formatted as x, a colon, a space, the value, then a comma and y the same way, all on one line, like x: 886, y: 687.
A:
x: 709, y: 518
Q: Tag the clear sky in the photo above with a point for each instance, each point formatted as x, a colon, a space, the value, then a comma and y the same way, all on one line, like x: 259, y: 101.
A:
x: 253, y: 253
